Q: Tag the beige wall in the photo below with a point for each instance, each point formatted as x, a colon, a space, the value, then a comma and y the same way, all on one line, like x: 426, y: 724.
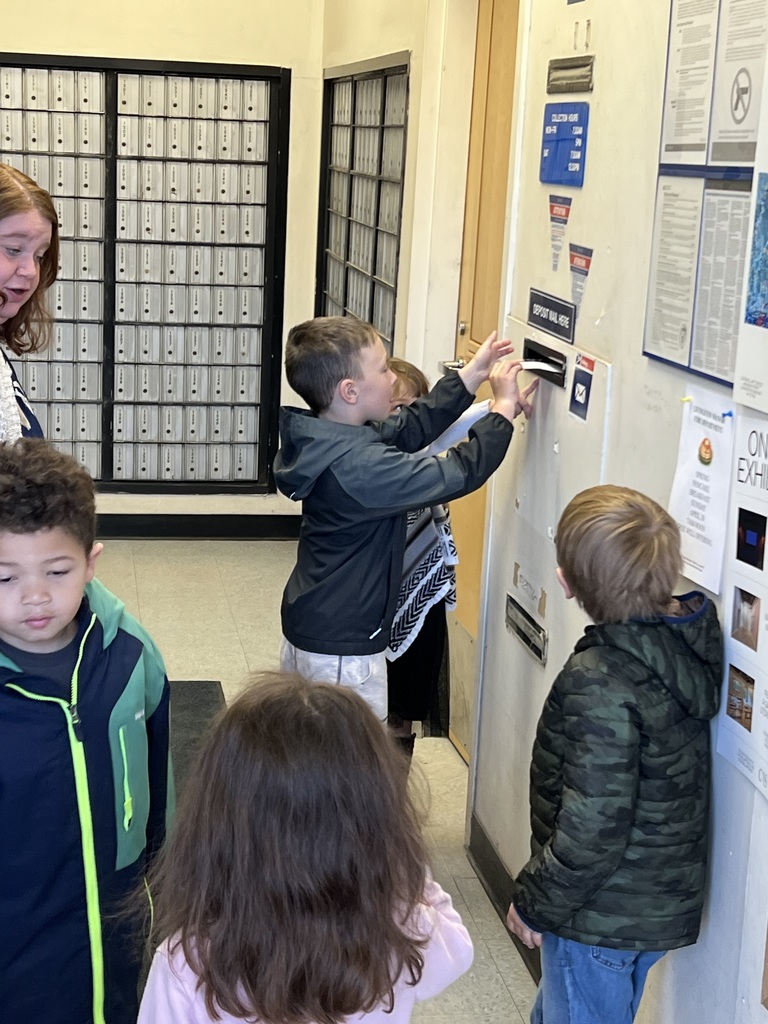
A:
x: 253, y: 32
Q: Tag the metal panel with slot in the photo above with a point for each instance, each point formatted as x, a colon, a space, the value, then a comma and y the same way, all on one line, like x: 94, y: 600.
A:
x: 545, y: 362
x: 533, y: 636
x: 571, y: 74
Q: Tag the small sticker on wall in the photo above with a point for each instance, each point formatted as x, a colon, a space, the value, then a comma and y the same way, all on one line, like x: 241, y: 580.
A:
x: 580, y: 260
x: 581, y: 387
x: 559, y: 212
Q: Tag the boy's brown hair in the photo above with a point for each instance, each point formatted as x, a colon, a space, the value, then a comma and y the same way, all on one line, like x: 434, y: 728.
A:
x: 619, y: 552
x: 41, y: 488
x: 296, y: 862
x: 409, y: 377
x: 322, y: 352
x: 28, y: 330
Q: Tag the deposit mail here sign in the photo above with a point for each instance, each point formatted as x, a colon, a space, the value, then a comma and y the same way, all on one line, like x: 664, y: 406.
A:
x: 553, y: 315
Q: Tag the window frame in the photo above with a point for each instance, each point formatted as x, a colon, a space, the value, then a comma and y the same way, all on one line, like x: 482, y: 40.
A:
x: 384, y: 70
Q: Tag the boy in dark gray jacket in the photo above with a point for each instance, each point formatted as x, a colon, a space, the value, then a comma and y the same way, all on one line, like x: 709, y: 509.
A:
x: 621, y: 765
x: 353, y: 467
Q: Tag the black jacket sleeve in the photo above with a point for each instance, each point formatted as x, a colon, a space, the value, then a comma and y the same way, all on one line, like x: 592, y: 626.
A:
x: 418, y: 424
x: 386, y: 481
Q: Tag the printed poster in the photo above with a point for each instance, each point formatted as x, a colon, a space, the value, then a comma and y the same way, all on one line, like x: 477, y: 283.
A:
x: 742, y: 735
x: 698, y: 262
x: 580, y: 260
x: 719, y: 285
x: 756, y: 311
x: 690, y: 78
x: 739, y: 68
x: 700, y: 490
x: 674, y: 262
x: 750, y: 381
x: 559, y: 212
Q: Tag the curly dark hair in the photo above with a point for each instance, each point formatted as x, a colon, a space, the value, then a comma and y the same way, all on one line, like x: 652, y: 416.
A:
x: 41, y: 488
x: 29, y: 329
x: 296, y: 864
x: 322, y: 352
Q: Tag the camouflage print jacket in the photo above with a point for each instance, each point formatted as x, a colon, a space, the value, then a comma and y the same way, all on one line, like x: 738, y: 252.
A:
x: 620, y: 784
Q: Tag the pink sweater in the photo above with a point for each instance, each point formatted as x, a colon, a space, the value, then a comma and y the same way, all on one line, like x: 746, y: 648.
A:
x: 172, y: 997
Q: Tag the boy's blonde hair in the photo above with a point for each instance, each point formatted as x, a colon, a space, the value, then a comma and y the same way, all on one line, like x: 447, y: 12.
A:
x: 409, y: 377
x: 321, y: 353
x: 619, y: 552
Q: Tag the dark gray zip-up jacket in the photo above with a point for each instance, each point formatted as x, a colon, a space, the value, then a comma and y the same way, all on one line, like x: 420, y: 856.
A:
x: 620, y: 784
x: 356, y: 484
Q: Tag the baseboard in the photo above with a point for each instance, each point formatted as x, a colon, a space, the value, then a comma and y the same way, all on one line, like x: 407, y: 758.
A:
x: 197, y: 527
x: 497, y: 882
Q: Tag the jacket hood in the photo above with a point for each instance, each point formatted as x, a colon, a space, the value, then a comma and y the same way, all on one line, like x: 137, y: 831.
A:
x: 685, y: 651
x: 308, y: 446
x: 107, y: 607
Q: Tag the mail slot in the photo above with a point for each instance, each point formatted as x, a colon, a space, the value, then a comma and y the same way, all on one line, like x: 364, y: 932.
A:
x: 534, y: 350
x: 528, y: 631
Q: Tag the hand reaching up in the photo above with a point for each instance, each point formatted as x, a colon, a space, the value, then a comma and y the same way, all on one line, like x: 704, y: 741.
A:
x: 507, y: 397
x: 478, y: 369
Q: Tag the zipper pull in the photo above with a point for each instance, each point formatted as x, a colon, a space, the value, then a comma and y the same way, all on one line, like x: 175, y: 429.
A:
x: 77, y: 724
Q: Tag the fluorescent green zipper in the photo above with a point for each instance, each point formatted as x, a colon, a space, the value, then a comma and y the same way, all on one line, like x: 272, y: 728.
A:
x: 77, y: 751
x: 127, y: 798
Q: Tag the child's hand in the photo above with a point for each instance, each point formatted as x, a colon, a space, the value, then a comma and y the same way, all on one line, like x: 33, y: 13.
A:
x: 516, y: 925
x: 507, y: 397
x: 478, y: 368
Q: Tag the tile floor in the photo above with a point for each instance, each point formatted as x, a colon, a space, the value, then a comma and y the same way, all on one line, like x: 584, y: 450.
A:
x: 213, y: 609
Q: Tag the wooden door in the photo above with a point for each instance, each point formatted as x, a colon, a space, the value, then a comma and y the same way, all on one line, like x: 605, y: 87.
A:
x: 478, y: 315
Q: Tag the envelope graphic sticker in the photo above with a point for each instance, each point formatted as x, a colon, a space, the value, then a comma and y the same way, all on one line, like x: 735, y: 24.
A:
x: 580, y: 393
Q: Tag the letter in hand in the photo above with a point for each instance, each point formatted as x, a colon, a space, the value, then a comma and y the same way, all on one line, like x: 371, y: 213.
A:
x: 507, y: 397
x: 477, y: 370
x: 517, y: 926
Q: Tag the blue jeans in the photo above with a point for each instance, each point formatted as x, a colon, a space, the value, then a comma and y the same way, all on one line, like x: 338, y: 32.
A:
x: 589, y: 984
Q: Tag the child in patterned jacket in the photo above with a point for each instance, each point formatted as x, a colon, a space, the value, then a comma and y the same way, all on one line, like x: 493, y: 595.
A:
x: 428, y: 590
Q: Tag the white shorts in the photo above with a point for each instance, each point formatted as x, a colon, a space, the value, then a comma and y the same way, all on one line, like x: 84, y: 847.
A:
x: 366, y: 674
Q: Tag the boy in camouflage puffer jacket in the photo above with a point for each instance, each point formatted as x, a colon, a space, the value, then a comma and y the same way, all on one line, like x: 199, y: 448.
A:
x: 619, y: 783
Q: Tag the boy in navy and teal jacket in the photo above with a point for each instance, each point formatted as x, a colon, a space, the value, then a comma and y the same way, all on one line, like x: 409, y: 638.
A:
x: 85, y: 780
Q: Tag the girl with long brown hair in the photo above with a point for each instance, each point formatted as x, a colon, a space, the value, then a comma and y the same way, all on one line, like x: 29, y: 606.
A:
x: 294, y: 888
x: 29, y: 262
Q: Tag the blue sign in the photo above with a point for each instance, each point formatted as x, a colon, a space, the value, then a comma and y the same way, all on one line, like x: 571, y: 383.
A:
x: 553, y: 315
x: 582, y: 385
x: 564, y: 144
